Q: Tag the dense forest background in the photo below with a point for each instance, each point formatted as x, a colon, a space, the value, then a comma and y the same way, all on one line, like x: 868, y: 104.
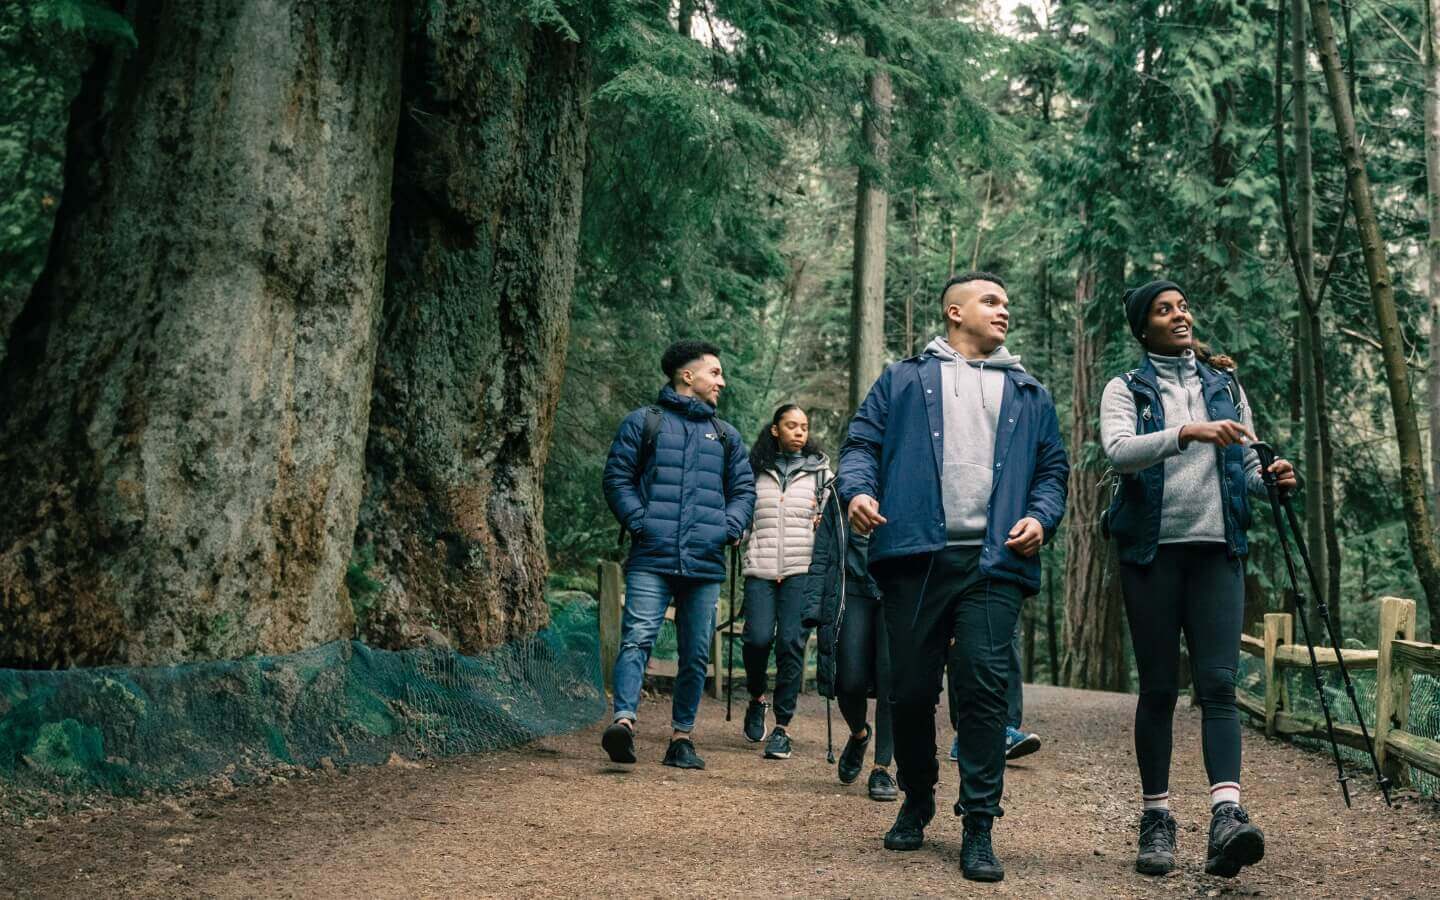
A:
x: 316, y: 321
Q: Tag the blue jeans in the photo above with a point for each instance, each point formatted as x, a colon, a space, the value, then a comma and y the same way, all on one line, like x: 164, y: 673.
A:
x: 647, y: 595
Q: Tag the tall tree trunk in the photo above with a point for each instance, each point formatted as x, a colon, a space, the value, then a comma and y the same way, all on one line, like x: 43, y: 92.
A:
x: 1052, y: 639
x: 1432, y: 249
x: 482, y: 266
x: 1307, y: 327
x: 867, y: 298
x: 183, y: 407
x: 1094, y: 643
x: 1382, y: 296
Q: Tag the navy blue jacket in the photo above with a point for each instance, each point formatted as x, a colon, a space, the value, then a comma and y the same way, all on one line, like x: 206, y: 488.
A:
x: 1133, y: 518
x: 895, y: 450
x: 677, y: 511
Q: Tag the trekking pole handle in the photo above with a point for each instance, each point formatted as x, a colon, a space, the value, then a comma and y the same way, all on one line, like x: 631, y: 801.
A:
x: 1267, y: 457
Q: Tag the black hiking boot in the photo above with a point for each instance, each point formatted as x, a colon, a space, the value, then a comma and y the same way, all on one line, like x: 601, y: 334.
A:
x: 619, y: 741
x: 908, y: 832
x: 778, y: 746
x: 755, y: 721
x: 681, y: 755
x: 977, y: 856
x: 882, y: 786
x: 1157, y: 843
x: 852, y: 758
x: 1234, y: 842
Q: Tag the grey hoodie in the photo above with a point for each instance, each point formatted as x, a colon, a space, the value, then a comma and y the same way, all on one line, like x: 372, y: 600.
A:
x: 973, y: 391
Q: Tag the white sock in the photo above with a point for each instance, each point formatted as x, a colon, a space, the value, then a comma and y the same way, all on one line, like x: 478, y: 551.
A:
x: 1224, y: 792
x: 1156, y: 801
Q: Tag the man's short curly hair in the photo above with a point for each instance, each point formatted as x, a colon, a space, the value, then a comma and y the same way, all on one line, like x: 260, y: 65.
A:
x: 679, y: 353
x: 963, y: 277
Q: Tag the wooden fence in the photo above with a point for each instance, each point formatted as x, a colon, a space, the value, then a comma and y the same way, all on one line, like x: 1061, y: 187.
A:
x: 612, y: 606
x: 1398, y: 657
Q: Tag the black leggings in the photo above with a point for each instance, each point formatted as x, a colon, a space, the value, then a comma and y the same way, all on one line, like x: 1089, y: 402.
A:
x: 1199, y: 590
x: 862, y: 659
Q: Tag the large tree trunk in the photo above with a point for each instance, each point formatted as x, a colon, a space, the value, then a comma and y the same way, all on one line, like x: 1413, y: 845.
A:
x: 1382, y: 296
x: 1432, y: 249
x: 1094, y: 638
x: 1307, y: 328
x: 185, y: 396
x: 867, y: 298
x: 482, y: 265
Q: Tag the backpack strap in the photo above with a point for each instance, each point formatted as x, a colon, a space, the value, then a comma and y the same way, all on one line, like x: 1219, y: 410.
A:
x: 649, y: 433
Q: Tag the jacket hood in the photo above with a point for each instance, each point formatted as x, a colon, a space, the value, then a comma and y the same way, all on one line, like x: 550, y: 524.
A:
x: 999, y: 359
x: 691, y: 407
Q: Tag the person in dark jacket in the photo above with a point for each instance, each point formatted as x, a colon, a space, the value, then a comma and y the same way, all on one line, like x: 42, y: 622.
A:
x: 1175, y: 429
x: 842, y: 600
x: 955, y: 462
x: 682, y: 492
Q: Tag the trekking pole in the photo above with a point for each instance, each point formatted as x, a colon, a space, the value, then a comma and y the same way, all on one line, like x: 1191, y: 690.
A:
x: 1277, y: 502
x: 829, y: 736
x: 730, y: 634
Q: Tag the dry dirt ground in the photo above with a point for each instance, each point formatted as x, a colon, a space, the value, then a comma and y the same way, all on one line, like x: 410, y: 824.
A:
x: 556, y: 819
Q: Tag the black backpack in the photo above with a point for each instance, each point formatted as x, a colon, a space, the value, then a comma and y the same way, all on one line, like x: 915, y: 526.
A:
x: 651, y: 431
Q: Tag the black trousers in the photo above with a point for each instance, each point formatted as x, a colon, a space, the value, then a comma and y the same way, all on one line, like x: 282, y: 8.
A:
x: 863, y: 659
x: 928, y: 600
x: 1199, y: 591
x: 772, y: 617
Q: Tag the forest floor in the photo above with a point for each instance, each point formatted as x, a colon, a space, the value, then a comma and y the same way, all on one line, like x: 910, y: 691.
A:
x: 555, y: 818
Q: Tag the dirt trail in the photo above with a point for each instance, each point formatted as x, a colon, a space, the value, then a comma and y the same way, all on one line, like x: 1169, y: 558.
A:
x: 556, y: 819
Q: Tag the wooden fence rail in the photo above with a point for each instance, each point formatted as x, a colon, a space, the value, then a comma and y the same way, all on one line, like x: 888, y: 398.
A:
x: 1398, y: 657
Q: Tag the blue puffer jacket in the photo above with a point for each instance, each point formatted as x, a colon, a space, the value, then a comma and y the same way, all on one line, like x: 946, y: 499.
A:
x: 683, y: 509
x: 895, y: 449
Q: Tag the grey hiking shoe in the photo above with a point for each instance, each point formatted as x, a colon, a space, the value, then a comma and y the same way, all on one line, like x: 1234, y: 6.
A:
x: 882, y: 786
x: 1234, y: 842
x: 778, y: 746
x: 1157, y: 843
x: 755, y: 721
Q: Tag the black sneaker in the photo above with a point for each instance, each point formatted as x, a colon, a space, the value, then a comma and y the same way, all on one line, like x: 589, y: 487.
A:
x: 681, y: 755
x: 619, y: 741
x: 977, y: 856
x: 908, y: 832
x: 1157, y: 843
x: 778, y: 746
x: 882, y: 786
x: 852, y: 758
x: 1234, y: 842
x: 755, y: 721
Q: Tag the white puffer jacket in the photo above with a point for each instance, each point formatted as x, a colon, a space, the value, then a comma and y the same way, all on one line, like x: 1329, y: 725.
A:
x: 783, y: 530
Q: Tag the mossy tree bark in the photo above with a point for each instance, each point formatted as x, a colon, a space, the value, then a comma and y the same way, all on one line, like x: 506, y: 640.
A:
x: 489, y: 165
x: 184, y: 400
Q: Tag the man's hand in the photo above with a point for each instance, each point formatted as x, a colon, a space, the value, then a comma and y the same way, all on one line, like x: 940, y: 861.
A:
x: 865, y: 514
x: 1222, y: 433
x: 1284, y: 475
x: 1026, y: 537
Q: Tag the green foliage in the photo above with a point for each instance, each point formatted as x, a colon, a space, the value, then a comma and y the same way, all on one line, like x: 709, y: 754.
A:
x: 95, y: 20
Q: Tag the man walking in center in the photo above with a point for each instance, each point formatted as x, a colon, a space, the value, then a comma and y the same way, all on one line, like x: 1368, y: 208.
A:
x: 955, y: 462
x: 678, y: 479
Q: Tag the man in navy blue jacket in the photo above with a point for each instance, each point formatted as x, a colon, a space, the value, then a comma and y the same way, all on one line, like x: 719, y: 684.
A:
x: 679, y: 481
x: 955, y: 462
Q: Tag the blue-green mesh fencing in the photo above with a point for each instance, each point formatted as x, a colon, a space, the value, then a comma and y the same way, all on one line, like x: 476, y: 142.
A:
x: 128, y: 730
x: 1424, y: 720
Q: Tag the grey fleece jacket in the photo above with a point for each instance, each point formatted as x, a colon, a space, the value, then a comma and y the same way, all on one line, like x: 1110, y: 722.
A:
x: 973, y: 389
x: 1191, y: 512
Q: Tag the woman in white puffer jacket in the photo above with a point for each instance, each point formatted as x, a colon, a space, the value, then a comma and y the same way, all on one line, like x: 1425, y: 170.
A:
x: 791, y: 475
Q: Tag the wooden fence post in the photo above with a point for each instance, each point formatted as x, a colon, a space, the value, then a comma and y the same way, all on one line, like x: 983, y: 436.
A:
x: 612, y: 595
x: 1392, y: 684
x: 716, y: 662
x: 1279, y: 629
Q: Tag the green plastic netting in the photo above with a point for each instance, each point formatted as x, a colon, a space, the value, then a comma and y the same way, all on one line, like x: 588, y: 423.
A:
x: 128, y: 730
x: 1424, y: 718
